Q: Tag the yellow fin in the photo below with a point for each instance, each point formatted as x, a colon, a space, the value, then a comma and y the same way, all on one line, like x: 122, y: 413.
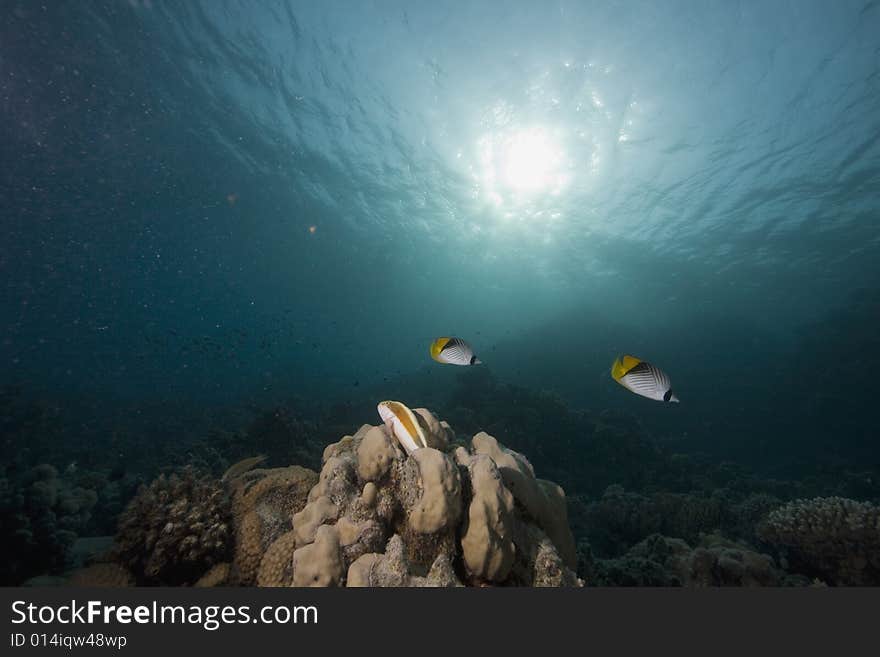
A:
x: 622, y: 365
x: 437, y: 347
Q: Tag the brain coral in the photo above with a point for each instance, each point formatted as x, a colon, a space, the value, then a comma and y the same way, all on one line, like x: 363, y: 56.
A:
x: 175, y: 529
x: 831, y: 538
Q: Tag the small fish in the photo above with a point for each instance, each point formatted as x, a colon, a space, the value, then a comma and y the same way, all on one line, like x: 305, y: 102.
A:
x: 643, y: 379
x: 453, y: 351
x: 245, y: 465
x: 403, y: 425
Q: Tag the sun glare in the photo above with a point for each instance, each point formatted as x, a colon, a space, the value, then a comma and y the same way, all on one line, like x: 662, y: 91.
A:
x: 530, y: 161
x: 520, y: 165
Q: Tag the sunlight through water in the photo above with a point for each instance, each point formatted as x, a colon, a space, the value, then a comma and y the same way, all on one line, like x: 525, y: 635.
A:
x: 520, y: 166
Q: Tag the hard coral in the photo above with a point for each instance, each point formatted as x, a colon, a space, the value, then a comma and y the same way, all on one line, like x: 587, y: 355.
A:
x: 392, y: 569
x: 378, y: 517
x: 263, y: 504
x: 445, y: 515
x: 217, y: 576
x: 831, y: 538
x: 175, y: 529
x: 101, y: 575
x: 276, y: 566
x: 542, y: 501
x: 487, y: 536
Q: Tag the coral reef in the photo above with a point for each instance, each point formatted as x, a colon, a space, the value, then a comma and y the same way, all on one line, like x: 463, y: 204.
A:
x: 264, y: 502
x: 663, y: 561
x: 447, y: 515
x: 467, y: 511
x: 175, y: 529
x: 392, y: 569
x: 217, y: 576
x: 620, y: 519
x: 834, y: 539
x: 41, y: 514
x: 741, y: 519
x: 487, y: 537
x: 102, y: 575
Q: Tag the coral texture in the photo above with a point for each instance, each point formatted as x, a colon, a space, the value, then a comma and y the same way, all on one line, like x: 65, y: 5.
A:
x: 444, y: 516
x: 217, y: 576
x: 834, y: 539
x: 175, y: 529
x: 263, y: 505
x: 450, y: 514
x: 487, y: 537
x: 102, y: 575
x: 621, y: 518
x: 663, y: 561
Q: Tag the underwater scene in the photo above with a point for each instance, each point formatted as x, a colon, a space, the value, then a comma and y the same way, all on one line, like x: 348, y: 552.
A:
x: 448, y: 293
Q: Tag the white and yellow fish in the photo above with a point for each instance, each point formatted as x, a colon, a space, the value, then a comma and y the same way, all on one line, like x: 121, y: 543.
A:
x: 643, y: 379
x: 403, y: 425
x: 453, y: 351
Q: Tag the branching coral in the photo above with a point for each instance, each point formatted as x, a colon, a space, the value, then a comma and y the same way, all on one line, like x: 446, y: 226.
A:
x: 831, y: 538
x: 175, y: 529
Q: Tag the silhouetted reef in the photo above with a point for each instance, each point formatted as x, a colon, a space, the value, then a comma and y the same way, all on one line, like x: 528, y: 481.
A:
x: 636, y: 511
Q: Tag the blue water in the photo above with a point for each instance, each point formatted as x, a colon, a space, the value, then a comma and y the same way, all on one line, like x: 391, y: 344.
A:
x: 211, y: 202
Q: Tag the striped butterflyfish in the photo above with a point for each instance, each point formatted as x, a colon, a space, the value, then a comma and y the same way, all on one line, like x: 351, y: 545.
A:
x: 453, y: 351
x: 403, y: 425
x: 643, y: 378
